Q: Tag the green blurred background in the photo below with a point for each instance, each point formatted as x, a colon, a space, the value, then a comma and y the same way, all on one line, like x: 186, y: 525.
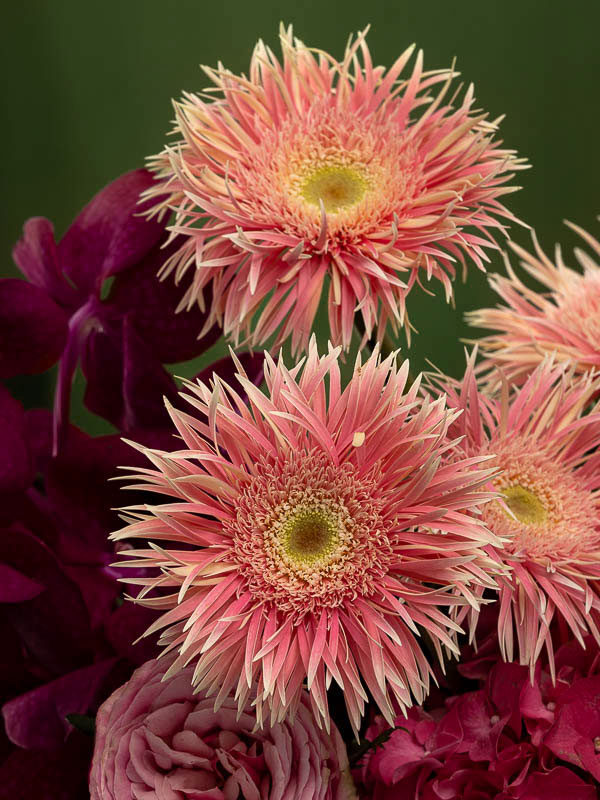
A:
x: 87, y: 89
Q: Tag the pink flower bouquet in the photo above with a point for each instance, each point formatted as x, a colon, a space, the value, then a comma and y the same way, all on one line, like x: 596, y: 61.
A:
x: 328, y: 578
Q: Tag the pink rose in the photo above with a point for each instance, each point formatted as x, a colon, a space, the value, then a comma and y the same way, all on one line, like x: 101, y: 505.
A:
x: 159, y: 740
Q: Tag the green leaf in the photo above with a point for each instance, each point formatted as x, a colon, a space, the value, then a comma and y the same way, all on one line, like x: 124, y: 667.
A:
x: 83, y: 723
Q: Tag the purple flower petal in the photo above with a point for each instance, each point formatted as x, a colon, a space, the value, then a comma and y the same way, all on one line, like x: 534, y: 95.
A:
x: 126, y: 382
x: 83, y: 494
x: 38, y: 425
x: 16, y: 587
x: 109, y: 235
x: 14, y: 674
x: 33, y: 329
x: 54, y: 625
x: 79, y: 488
x: 16, y: 465
x: 48, y: 774
x: 98, y: 589
x: 125, y: 625
x: 37, y: 258
x: 151, y: 305
x: 37, y: 720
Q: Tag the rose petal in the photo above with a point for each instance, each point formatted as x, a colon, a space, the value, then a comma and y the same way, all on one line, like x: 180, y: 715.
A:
x: 110, y: 234
x: 33, y: 329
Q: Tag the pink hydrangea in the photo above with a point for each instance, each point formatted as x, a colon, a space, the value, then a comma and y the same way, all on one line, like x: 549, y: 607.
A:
x: 158, y: 740
x: 509, y: 739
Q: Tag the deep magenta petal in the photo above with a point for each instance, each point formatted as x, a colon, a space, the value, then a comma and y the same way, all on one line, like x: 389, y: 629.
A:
x: 79, y: 487
x: 36, y: 256
x: 16, y: 463
x: 38, y: 426
x: 33, y: 329
x: 125, y: 626
x: 558, y: 784
x: 577, y: 725
x: 151, y: 306
x: 48, y: 774
x: 126, y: 382
x: 55, y: 625
x: 16, y: 587
x: 109, y: 235
x: 225, y: 368
x: 37, y: 720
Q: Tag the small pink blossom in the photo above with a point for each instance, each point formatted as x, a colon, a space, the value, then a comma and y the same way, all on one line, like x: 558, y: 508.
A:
x: 510, y: 739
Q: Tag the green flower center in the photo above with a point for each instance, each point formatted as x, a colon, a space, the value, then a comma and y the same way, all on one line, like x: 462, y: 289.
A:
x: 309, y: 536
x: 525, y: 505
x: 338, y: 187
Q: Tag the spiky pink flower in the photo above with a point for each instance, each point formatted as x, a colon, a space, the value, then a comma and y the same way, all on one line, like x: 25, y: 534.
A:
x: 312, y: 169
x: 546, y: 442
x: 312, y: 533
x: 565, y: 321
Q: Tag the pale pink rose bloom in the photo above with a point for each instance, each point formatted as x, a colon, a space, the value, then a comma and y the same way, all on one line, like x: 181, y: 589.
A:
x: 157, y: 740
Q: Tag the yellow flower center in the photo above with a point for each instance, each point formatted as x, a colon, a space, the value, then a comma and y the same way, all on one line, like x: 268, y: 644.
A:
x: 309, y: 536
x: 337, y: 186
x: 525, y: 505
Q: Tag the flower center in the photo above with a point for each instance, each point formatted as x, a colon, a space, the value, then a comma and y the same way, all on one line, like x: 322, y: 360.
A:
x: 549, y: 511
x: 309, y: 533
x: 309, y: 536
x: 525, y: 505
x: 337, y: 186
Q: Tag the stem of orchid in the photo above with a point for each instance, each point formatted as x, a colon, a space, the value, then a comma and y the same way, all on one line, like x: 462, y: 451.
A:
x: 66, y: 371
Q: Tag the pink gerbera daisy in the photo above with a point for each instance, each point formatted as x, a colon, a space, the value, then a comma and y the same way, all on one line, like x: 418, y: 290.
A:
x: 549, y: 518
x: 314, y: 533
x: 565, y: 321
x: 314, y: 168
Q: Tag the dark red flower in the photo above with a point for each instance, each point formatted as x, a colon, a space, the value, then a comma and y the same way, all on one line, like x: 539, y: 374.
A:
x: 510, y: 739
x: 121, y: 339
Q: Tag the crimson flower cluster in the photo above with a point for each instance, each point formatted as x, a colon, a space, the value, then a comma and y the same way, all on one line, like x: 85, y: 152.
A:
x: 509, y: 738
